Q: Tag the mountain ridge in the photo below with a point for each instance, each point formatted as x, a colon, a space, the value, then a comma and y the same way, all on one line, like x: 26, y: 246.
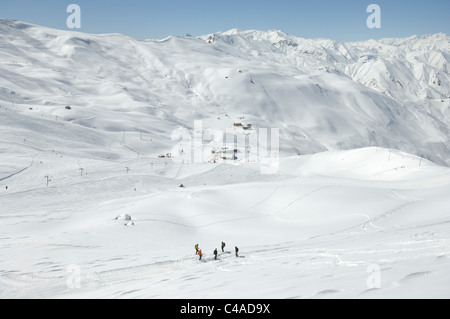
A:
x: 322, y: 94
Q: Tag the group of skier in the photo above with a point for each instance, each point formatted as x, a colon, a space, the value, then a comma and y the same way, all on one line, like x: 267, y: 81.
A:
x: 199, y: 252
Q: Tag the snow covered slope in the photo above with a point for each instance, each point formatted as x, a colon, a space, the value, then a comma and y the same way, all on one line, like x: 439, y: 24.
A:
x: 367, y: 223
x: 323, y: 95
x: 89, y: 209
x: 414, y: 68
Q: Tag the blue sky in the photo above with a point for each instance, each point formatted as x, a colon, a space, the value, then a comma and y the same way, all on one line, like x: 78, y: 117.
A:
x: 343, y: 20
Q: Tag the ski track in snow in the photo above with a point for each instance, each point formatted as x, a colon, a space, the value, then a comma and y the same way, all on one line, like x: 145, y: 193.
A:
x: 178, y: 278
x: 283, y: 255
x: 331, y: 258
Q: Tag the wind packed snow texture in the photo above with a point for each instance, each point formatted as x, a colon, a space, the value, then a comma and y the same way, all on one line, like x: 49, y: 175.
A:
x: 358, y: 208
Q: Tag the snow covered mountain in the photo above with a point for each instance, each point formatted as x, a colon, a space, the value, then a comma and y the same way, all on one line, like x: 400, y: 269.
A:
x: 91, y: 206
x: 404, y: 69
x: 322, y: 94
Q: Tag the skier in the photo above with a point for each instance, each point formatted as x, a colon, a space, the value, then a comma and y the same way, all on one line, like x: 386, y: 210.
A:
x: 223, y: 246
x: 200, y: 254
x: 237, y: 251
x: 196, y: 249
x: 215, y: 254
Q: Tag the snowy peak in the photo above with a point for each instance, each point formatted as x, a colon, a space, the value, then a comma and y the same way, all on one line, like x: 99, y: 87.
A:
x: 412, y: 68
x: 384, y: 47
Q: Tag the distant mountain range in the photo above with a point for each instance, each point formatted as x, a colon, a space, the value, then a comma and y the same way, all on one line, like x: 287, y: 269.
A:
x: 321, y: 94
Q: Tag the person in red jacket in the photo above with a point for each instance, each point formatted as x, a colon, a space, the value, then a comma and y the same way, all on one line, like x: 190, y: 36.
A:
x: 200, y: 254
